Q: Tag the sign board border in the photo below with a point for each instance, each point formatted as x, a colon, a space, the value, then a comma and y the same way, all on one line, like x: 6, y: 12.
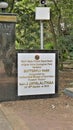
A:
x: 56, y: 73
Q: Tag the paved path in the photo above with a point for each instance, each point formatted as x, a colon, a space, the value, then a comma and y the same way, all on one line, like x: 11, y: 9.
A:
x: 4, y: 123
x: 9, y: 120
x: 40, y: 114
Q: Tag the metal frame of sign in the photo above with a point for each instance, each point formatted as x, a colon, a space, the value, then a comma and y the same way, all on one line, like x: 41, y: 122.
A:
x: 27, y: 82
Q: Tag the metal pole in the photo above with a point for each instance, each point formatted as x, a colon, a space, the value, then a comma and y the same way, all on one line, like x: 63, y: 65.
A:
x: 41, y: 34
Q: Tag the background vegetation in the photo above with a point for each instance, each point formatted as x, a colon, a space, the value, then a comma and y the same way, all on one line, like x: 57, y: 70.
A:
x: 58, y: 31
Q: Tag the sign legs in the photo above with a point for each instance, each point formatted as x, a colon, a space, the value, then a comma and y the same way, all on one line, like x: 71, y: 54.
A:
x: 41, y: 34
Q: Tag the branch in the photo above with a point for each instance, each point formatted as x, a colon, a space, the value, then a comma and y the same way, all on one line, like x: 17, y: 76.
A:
x: 59, y: 15
x: 53, y: 33
x: 56, y: 5
x: 12, y: 6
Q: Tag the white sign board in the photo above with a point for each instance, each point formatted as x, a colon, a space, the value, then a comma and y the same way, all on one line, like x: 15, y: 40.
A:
x: 42, y: 13
x: 36, y: 73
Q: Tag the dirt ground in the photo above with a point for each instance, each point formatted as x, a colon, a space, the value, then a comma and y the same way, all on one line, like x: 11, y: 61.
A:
x: 43, y: 114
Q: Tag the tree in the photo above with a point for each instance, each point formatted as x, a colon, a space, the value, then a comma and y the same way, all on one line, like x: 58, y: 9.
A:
x: 57, y: 32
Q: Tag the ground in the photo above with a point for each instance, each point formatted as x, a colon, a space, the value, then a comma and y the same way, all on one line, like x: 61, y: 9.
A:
x: 43, y: 114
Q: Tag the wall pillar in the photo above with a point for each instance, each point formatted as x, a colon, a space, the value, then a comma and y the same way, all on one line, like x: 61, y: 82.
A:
x: 7, y: 57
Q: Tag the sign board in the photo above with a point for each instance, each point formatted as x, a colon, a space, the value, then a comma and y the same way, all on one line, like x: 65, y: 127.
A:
x: 42, y: 13
x: 37, y: 72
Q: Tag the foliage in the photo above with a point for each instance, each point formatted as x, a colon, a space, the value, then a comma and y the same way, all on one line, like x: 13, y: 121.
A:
x: 58, y: 31
x: 27, y: 29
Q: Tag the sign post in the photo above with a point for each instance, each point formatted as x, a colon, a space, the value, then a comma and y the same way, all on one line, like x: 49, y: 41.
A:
x: 37, y: 69
x: 41, y: 36
x: 42, y: 13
